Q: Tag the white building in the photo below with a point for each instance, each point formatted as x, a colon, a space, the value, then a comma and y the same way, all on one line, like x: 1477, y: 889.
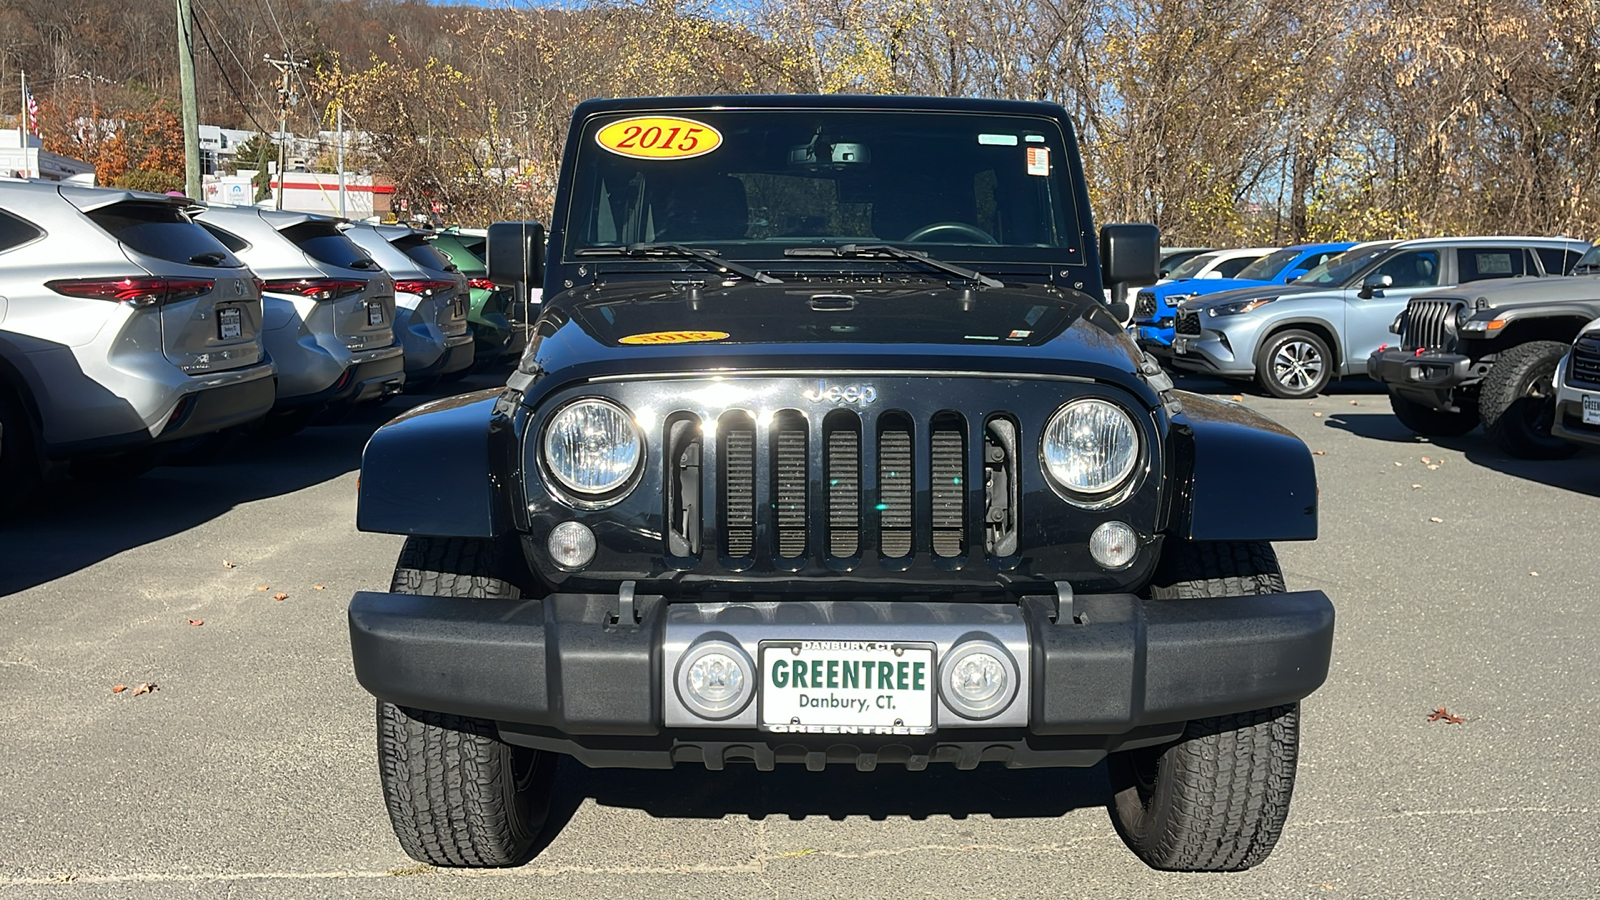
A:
x: 29, y: 159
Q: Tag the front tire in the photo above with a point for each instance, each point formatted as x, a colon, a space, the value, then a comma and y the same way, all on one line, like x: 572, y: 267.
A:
x: 1433, y: 422
x: 20, y: 473
x: 1518, y: 400
x: 1294, y: 364
x: 457, y: 795
x: 1216, y: 799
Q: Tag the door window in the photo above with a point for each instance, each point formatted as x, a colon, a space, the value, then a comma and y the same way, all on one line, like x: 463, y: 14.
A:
x: 1479, y: 263
x: 1413, y: 269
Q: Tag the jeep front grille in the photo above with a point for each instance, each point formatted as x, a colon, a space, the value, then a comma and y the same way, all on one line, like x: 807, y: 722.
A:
x: 1188, y: 322
x: 1583, y: 366
x: 865, y: 482
x: 1430, y: 325
x: 1144, y: 306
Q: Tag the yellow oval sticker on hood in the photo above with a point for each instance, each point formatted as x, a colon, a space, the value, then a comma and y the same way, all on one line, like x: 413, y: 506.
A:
x: 659, y: 137
x: 675, y: 337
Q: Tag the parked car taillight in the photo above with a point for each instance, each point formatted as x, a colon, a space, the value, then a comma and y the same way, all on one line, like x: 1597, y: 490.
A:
x: 424, y: 288
x: 316, y: 288
x: 135, y: 291
x: 482, y: 284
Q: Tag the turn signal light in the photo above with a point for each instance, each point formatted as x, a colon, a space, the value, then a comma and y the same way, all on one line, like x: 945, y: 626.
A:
x: 316, y: 288
x: 137, y: 291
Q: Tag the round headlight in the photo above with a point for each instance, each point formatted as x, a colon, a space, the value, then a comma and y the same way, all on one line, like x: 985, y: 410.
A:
x: 1090, y: 447
x: 592, y: 447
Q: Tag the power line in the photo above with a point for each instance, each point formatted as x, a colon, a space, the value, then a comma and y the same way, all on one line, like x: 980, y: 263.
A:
x: 261, y: 96
x: 206, y: 39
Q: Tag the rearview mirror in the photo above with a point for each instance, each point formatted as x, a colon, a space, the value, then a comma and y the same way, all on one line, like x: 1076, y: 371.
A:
x: 515, y: 254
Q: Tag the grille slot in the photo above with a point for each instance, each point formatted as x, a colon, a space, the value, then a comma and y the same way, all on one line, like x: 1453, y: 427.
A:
x: 1145, y: 305
x: 738, y: 486
x: 789, y: 487
x: 1188, y: 322
x: 894, y: 490
x: 947, y: 465
x: 842, y: 469
x: 1583, y: 367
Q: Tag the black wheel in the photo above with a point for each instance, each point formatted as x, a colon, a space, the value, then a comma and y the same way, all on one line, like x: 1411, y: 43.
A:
x: 1216, y: 799
x: 1518, y: 401
x: 19, y: 458
x: 1432, y: 422
x: 457, y: 795
x: 1294, y: 364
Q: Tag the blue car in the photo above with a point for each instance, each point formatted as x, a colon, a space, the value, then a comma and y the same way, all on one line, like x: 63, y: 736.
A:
x: 1155, y: 306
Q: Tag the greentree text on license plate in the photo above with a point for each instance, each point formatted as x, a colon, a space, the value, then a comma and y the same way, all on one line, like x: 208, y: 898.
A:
x: 230, y: 322
x: 1591, y: 409
x: 847, y: 687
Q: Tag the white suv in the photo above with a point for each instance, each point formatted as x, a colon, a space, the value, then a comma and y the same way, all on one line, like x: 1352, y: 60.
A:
x: 1577, y: 383
x: 123, y: 325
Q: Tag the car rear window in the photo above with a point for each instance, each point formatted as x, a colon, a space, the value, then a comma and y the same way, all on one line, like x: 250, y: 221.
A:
x: 1483, y: 263
x: 324, y: 242
x: 231, y: 241
x: 423, y: 253
x: 15, y: 232
x: 162, y: 231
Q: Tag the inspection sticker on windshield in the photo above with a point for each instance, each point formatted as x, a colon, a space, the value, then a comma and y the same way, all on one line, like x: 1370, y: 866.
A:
x: 1038, y: 161
x: 675, y: 337
x: 659, y: 137
x: 847, y: 687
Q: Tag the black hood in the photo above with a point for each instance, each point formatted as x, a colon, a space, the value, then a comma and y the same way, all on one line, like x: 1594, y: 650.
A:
x: 816, y: 325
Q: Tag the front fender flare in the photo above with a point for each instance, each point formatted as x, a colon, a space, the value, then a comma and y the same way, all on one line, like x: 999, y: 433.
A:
x: 1239, y: 476
x: 433, y: 471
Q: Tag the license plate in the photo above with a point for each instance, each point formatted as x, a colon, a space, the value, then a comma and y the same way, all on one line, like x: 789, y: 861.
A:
x: 851, y: 687
x: 230, y: 323
x: 1180, y: 345
x: 374, y: 313
x: 459, y: 308
x: 1591, y: 409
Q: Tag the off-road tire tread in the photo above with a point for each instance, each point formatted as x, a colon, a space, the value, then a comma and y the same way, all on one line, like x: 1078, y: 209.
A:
x: 1432, y: 422
x: 449, y: 782
x: 1498, y: 395
x: 1222, y: 790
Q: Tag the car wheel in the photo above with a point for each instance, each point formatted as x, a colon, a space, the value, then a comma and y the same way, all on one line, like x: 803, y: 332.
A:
x: 19, y: 459
x: 457, y: 795
x: 1294, y: 364
x: 1216, y: 799
x: 1518, y: 401
x: 1434, y: 422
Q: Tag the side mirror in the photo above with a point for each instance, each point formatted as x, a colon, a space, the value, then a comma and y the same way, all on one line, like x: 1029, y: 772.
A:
x: 1129, y: 254
x: 515, y: 255
x: 1372, y: 284
x: 1295, y: 276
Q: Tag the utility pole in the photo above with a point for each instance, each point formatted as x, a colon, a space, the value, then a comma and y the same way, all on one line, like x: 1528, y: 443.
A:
x: 191, y: 106
x: 285, y: 100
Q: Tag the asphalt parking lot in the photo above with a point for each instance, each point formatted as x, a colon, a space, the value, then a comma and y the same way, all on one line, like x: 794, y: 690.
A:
x: 1462, y: 579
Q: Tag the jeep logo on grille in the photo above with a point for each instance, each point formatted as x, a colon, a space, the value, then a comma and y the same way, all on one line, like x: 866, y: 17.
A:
x: 861, y: 394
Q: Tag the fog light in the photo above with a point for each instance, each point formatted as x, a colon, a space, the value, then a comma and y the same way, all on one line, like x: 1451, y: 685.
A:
x: 1113, y: 545
x: 571, y: 545
x: 978, y: 679
x: 714, y: 679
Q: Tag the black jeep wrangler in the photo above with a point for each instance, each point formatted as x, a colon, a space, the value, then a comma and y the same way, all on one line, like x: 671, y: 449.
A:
x: 826, y: 450
x: 1487, y: 351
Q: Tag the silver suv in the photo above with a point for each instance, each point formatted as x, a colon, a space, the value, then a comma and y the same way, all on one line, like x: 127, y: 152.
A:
x: 1293, y: 339
x: 122, y: 325
x: 431, y: 297
x: 328, y: 309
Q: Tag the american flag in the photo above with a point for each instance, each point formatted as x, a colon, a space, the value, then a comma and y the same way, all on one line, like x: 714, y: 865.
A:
x: 33, y: 110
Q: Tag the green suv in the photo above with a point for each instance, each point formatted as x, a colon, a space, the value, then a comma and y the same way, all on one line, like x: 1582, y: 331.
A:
x: 499, y: 323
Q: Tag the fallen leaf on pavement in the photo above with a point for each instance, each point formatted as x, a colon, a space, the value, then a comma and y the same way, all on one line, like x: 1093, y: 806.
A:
x: 197, y: 621
x: 280, y: 596
x: 1426, y: 460
x: 1355, y: 403
x: 1435, y: 519
x: 1432, y: 467
x: 1238, y: 398
x: 262, y: 587
x: 1317, y: 414
x: 118, y: 688
x: 1443, y: 715
x: 148, y: 687
x: 1534, y: 574
x: 318, y: 587
x: 228, y: 565
x: 1399, y: 464
x: 1319, y: 453
x: 1416, y: 487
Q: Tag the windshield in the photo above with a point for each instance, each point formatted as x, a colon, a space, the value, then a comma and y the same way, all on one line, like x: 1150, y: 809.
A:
x: 1343, y: 267
x: 1267, y: 267
x: 749, y: 184
x: 1192, y: 266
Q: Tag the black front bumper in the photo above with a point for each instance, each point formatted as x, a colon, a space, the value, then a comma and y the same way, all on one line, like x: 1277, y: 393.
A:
x: 560, y: 674
x: 1425, y: 378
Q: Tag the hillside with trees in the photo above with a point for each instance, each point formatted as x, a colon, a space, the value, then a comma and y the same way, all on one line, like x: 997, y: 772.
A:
x: 1227, y: 121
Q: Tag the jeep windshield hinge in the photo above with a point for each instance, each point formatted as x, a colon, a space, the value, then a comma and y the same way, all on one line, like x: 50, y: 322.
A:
x: 1065, y: 611
x: 626, y: 614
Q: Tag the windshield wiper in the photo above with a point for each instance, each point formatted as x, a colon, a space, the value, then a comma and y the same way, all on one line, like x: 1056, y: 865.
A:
x: 889, y: 250
x: 704, y: 256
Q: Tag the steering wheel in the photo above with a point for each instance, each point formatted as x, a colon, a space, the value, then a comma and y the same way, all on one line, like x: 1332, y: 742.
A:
x: 962, y: 228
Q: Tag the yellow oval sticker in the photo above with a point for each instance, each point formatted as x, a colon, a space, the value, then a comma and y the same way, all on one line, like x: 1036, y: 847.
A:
x: 659, y: 137
x: 675, y: 337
